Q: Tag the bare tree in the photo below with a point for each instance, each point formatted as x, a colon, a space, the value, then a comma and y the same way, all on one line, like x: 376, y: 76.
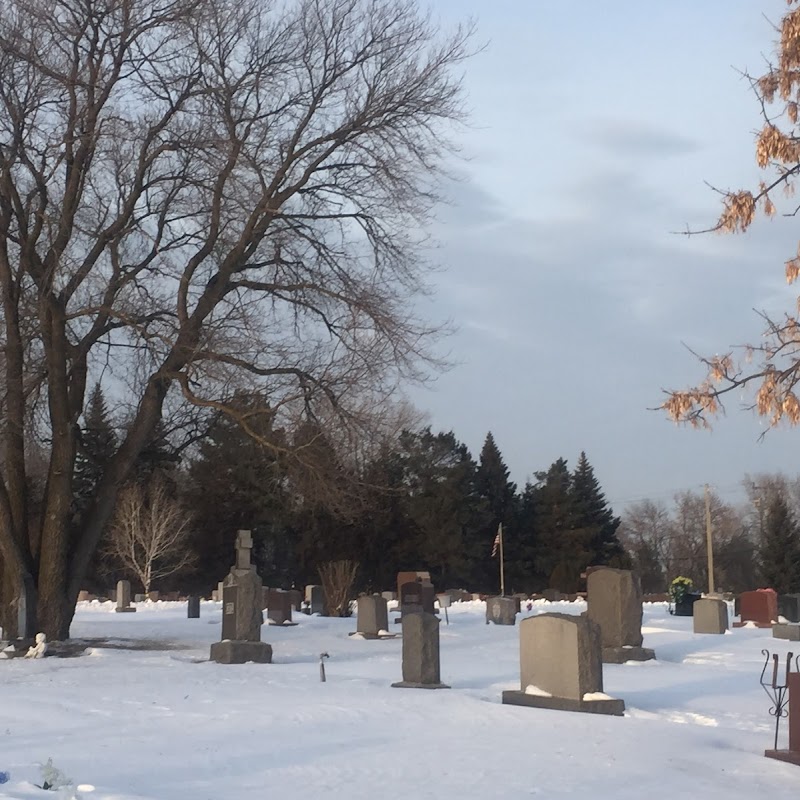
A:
x: 771, y: 368
x: 337, y: 579
x: 204, y: 197
x: 149, y: 535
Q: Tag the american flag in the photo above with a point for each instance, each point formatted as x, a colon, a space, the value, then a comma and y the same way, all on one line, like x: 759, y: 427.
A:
x: 497, y: 540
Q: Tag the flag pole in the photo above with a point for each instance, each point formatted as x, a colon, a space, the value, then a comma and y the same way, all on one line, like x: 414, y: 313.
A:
x: 502, y: 565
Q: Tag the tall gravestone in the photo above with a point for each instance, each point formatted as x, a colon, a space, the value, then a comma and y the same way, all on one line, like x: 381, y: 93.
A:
x: 315, y: 599
x: 501, y: 610
x: 241, y: 612
x: 124, y: 597
x: 710, y: 615
x: 193, y: 607
x: 789, y: 607
x: 561, y: 666
x: 411, y: 597
x: 614, y: 601
x: 372, y: 621
x: 420, y: 652
x: 408, y: 577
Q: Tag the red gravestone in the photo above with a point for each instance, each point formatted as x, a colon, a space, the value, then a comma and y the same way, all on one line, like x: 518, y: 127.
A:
x: 759, y: 607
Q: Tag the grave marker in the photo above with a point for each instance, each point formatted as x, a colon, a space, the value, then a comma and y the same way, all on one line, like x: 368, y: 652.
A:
x: 421, y: 668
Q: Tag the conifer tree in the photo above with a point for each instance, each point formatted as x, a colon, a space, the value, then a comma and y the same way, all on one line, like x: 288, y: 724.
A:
x: 593, y: 518
x: 780, y: 547
x: 98, y: 443
x: 500, y: 496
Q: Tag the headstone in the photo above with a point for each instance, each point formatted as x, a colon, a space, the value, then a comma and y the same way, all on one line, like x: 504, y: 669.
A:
x: 241, y: 609
x: 315, y: 599
x: 296, y: 599
x: 759, y: 608
x: 153, y: 597
x: 552, y: 595
x: 193, y: 607
x: 279, y: 607
x: 420, y: 652
x: 501, y: 610
x: 373, y: 616
x: 411, y: 597
x: 389, y: 596
x: 789, y: 607
x: 428, y: 597
x: 111, y: 594
x: 124, y: 597
x: 220, y: 587
x: 786, y: 630
x: 561, y: 666
x: 244, y: 547
x: 139, y: 598
x: 408, y: 577
x: 685, y: 606
x: 83, y: 596
x: 710, y: 615
x: 614, y: 601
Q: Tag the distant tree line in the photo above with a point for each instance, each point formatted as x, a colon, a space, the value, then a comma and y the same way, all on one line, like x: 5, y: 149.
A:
x: 756, y: 542
x: 418, y: 501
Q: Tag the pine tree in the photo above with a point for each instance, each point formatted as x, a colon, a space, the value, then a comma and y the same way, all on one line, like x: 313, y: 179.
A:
x: 524, y: 567
x: 592, y: 517
x: 561, y: 555
x: 97, y: 445
x: 780, y: 547
x: 500, y: 496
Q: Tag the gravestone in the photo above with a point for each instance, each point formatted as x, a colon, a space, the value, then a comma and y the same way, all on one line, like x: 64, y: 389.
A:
x: 408, y: 577
x: 139, y: 598
x: 111, y: 594
x: 373, y: 617
x: 83, y: 596
x: 315, y: 599
x: 411, y: 597
x: 759, y: 608
x: 710, y: 615
x: 296, y: 599
x: 124, y: 597
x: 428, y: 597
x: 789, y: 607
x: 220, y: 587
x: 153, y: 597
x: 279, y: 607
x: 786, y: 630
x: 685, y: 606
x: 420, y: 652
x: 241, y: 612
x: 614, y: 601
x: 389, y: 596
x: 561, y: 666
x: 552, y: 595
x: 193, y: 607
x: 501, y: 611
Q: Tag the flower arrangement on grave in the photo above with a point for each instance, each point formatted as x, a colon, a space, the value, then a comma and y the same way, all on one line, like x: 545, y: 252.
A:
x: 679, y: 587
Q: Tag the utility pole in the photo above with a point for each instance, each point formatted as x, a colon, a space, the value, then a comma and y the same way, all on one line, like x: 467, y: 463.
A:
x: 709, y: 543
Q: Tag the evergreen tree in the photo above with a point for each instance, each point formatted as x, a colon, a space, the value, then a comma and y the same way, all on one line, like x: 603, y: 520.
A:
x: 158, y: 457
x: 237, y: 483
x: 97, y: 445
x: 780, y: 547
x: 593, y: 519
x: 500, y: 497
x: 446, y: 515
x: 524, y: 567
x: 561, y: 555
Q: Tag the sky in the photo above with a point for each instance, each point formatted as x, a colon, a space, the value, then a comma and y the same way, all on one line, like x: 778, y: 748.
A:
x: 595, y: 130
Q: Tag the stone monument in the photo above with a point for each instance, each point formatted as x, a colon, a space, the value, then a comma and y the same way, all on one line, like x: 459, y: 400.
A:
x: 420, y: 652
x: 614, y: 601
x: 372, y: 621
x: 710, y: 615
x: 501, y: 610
x: 124, y: 597
x: 241, y: 612
x: 561, y: 666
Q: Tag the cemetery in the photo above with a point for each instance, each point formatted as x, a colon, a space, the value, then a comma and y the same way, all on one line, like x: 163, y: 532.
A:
x: 140, y: 680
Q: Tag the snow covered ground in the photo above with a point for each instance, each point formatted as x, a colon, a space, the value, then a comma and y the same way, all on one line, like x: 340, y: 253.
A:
x: 168, y: 724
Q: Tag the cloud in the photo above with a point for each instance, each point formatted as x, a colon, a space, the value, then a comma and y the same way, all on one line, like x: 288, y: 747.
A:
x: 630, y: 138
